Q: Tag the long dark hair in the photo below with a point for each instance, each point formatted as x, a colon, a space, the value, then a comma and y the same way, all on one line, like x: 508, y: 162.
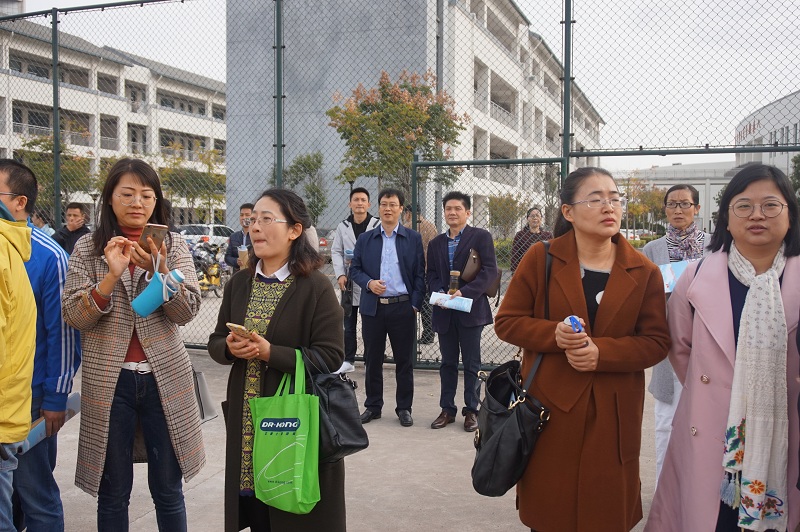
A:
x: 567, y: 195
x: 722, y: 238
x: 303, y: 258
x: 107, y: 224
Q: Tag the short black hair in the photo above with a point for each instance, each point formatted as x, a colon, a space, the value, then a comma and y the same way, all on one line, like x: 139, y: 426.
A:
x: 457, y: 195
x: 361, y: 190
x: 388, y: 192
x: 22, y: 181
x: 748, y: 174
x: 693, y: 191
x: 246, y: 206
x: 534, y: 208
x: 79, y: 206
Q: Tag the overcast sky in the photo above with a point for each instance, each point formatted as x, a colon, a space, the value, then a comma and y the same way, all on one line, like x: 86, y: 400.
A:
x: 659, y: 73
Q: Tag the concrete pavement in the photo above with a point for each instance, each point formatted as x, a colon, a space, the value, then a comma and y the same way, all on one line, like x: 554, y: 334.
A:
x: 411, y: 478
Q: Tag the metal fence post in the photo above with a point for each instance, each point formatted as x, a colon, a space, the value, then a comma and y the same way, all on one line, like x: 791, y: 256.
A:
x: 56, y: 124
x: 279, y: 93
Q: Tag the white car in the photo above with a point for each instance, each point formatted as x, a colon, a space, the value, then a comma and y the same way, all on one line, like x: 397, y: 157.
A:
x: 216, y: 234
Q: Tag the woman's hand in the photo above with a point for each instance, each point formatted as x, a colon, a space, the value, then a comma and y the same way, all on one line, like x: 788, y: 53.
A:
x: 582, y: 353
x: 118, y: 255
x: 144, y: 258
x: 247, y: 347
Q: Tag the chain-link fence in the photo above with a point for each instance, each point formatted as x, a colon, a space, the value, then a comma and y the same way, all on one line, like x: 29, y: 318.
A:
x: 226, y: 98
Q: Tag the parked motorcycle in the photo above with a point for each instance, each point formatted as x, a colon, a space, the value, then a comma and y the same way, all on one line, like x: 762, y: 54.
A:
x: 212, y: 271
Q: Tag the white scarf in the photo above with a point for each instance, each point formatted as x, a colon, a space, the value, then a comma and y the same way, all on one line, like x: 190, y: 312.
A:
x: 755, y: 478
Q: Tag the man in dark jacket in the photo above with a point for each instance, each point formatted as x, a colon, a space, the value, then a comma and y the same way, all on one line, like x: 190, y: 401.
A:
x: 239, y: 238
x: 75, y: 228
x: 460, y: 331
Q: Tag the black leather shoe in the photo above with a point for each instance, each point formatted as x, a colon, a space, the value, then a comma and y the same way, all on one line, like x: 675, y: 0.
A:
x: 470, y: 422
x: 369, y: 415
x: 405, y: 418
x: 443, y: 420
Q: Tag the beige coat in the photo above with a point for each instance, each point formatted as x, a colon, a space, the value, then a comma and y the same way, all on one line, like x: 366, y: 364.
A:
x: 105, y: 336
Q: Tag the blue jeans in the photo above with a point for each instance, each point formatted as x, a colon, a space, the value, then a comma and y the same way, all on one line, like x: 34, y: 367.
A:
x: 39, y: 496
x: 467, y: 340
x: 7, y: 468
x: 136, y: 398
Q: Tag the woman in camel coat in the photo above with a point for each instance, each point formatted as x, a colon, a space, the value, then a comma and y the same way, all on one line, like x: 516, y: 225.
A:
x: 584, y: 471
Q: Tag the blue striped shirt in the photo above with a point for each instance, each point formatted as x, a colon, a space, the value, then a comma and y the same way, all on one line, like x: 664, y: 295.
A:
x: 452, y: 245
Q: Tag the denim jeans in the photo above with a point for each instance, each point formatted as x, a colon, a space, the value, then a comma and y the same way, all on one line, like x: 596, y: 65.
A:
x: 136, y: 398
x: 34, y: 485
x: 7, y: 468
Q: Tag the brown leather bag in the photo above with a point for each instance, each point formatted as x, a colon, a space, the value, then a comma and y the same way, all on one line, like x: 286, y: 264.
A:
x: 473, y: 267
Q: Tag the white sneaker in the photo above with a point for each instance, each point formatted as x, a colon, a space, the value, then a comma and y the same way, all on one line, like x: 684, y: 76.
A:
x: 347, y: 367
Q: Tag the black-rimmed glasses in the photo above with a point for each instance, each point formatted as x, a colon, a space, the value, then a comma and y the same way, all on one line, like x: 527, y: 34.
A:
x: 681, y: 204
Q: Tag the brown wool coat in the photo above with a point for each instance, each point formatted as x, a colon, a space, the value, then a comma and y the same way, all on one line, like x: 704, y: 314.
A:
x: 307, y: 315
x: 584, y: 472
x: 105, y: 337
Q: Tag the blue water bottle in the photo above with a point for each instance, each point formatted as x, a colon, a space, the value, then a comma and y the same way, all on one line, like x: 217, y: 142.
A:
x: 159, y: 290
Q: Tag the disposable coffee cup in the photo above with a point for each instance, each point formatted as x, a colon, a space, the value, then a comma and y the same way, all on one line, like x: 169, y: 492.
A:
x: 243, y: 254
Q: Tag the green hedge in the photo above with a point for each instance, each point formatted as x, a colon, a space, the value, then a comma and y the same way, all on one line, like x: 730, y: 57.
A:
x: 502, y: 249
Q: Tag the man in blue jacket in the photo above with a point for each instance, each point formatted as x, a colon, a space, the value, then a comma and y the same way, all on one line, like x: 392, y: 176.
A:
x: 460, y: 331
x: 389, y: 265
x: 239, y: 238
x: 55, y: 363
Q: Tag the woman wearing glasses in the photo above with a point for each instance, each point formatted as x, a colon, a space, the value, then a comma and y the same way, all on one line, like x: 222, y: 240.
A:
x: 287, y: 303
x: 733, y: 320
x: 684, y: 241
x: 584, y: 472
x: 137, y: 378
x: 528, y: 236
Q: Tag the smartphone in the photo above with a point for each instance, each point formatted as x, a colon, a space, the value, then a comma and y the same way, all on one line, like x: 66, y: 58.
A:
x: 157, y: 232
x: 238, y: 330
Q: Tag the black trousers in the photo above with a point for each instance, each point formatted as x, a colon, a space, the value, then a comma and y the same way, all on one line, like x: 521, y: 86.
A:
x: 398, y: 321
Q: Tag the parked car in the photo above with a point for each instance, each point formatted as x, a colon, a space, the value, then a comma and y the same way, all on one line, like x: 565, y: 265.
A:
x: 213, y: 233
x: 326, y: 237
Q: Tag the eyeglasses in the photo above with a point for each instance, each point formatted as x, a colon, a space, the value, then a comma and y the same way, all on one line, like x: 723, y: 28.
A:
x: 128, y: 199
x: 617, y: 203
x: 745, y: 208
x: 265, y: 220
x: 9, y: 194
x: 389, y: 205
x: 681, y: 204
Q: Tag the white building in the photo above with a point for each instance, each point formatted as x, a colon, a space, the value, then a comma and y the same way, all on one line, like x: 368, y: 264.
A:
x: 113, y: 103
x: 775, y: 124
x: 498, y: 71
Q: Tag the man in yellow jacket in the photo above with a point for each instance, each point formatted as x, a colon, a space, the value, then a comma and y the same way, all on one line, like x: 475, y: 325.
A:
x: 17, y: 348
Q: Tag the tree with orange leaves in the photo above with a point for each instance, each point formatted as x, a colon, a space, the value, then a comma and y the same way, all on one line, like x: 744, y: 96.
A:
x: 383, y: 126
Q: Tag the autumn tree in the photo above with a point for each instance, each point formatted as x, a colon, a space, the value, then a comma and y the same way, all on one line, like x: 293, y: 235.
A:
x: 76, y: 176
x: 199, y: 187
x: 384, y: 126
x: 505, y: 211
x: 305, y: 176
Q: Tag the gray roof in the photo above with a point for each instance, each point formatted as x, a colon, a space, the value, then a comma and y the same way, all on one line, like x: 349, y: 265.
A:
x: 171, y: 72
x: 42, y: 33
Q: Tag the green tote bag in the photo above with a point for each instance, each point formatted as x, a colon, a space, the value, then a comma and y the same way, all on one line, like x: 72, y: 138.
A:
x: 286, y: 445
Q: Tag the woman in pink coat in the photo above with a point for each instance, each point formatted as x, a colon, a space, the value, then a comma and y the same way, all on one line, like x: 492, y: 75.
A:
x: 733, y: 320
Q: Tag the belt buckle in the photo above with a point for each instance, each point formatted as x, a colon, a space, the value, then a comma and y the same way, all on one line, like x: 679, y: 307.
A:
x: 142, y: 371
x: 383, y: 300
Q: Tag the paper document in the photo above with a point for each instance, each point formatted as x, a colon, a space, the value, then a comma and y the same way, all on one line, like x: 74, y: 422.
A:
x: 39, y: 428
x: 670, y: 273
x: 463, y: 304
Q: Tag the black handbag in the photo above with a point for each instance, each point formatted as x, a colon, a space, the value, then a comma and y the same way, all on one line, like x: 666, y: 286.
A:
x: 510, y: 421
x: 340, y: 430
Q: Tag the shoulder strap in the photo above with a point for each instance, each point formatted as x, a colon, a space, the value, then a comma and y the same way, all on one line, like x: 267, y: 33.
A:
x: 548, y: 260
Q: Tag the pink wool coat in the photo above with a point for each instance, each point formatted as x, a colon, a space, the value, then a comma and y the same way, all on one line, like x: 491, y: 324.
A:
x: 702, y: 353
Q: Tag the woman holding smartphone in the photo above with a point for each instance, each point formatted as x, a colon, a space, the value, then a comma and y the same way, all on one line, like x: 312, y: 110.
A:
x: 277, y: 304
x: 137, y: 389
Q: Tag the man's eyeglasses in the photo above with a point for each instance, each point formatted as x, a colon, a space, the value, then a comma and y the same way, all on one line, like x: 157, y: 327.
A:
x: 745, y: 208
x: 265, y: 220
x: 597, y: 203
x: 9, y: 194
x: 129, y: 199
x: 389, y: 205
x: 681, y: 204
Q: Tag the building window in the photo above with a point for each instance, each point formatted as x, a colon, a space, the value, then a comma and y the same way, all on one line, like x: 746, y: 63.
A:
x: 39, y: 119
x: 40, y: 71
x: 167, y: 102
x: 15, y: 64
x: 107, y: 84
x: 218, y: 112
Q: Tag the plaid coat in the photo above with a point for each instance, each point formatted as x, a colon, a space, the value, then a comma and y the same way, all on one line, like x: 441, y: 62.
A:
x: 105, y: 337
